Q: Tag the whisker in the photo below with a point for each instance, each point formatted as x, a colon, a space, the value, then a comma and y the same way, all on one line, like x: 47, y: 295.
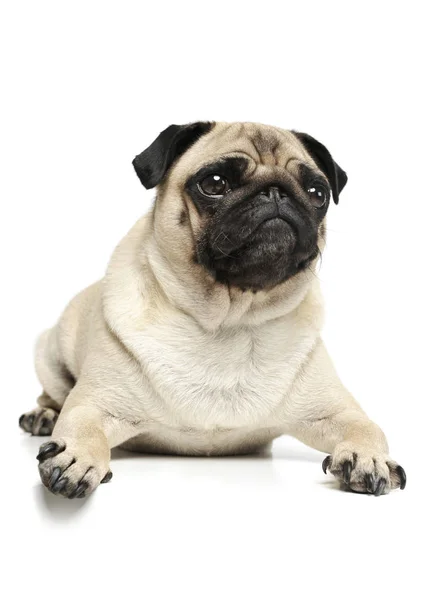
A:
x: 226, y: 238
x: 328, y: 229
x: 321, y: 257
x: 224, y: 253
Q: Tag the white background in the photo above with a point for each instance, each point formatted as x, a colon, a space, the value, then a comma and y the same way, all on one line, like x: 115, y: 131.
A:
x: 87, y: 86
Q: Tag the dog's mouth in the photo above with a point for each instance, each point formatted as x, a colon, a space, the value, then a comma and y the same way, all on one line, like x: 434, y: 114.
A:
x: 269, y: 255
x: 229, y: 242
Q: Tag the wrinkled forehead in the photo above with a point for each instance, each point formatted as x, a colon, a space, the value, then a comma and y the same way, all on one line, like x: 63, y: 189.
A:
x: 260, y: 144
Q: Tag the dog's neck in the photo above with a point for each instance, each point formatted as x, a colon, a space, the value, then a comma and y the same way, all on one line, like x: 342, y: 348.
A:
x: 140, y: 271
x: 190, y: 288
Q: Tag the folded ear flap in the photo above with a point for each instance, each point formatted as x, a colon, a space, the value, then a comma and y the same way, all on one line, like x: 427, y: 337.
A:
x: 153, y: 163
x: 320, y: 154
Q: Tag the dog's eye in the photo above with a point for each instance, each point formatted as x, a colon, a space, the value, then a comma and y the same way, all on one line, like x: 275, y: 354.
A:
x: 318, y: 195
x: 214, y: 185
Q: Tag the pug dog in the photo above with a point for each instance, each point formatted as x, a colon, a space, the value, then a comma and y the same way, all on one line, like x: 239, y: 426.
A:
x: 204, y: 336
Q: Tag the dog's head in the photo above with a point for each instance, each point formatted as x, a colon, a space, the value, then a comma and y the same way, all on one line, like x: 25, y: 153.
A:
x: 249, y: 200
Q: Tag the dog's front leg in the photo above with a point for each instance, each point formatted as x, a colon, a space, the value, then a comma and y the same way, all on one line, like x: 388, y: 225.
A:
x: 323, y: 415
x: 76, y: 460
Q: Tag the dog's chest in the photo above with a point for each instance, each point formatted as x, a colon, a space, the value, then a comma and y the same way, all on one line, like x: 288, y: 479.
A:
x: 231, y: 378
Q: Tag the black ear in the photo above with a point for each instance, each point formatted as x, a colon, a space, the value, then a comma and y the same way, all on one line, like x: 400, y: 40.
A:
x: 152, y: 164
x: 320, y: 154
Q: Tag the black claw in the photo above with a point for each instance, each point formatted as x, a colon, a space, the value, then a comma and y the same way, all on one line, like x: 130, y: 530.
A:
x: 73, y: 462
x: 59, y: 485
x: 401, y: 473
x: 21, y: 421
x: 380, y: 487
x: 370, y: 482
x: 326, y: 463
x: 54, y: 477
x: 44, y: 423
x: 81, y: 489
x: 347, y: 470
x: 107, y: 477
x: 48, y: 451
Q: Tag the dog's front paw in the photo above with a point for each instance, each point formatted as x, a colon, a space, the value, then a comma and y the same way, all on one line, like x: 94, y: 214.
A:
x: 364, y: 471
x: 39, y: 421
x: 70, y: 470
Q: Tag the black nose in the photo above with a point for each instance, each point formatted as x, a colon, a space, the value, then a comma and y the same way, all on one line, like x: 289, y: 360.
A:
x: 275, y: 193
x: 275, y: 197
x: 281, y: 205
